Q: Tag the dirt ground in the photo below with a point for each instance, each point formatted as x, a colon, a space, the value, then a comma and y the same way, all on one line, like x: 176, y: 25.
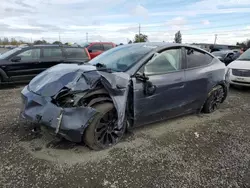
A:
x: 193, y: 151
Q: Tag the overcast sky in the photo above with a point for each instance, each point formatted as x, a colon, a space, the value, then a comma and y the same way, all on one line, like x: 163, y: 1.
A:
x: 118, y: 20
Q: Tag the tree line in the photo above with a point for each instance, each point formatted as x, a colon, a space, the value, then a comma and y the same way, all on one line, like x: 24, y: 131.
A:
x: 137, y: 39
x: 144, y: 38
x: 245, y: 44
x: 11, y: 41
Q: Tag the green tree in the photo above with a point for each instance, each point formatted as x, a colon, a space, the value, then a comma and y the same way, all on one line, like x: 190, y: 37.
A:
x: 13, y: 41
x: 5, y: 41
x: 57, y: 42
x: 40, y: 42
x: 140, y: 38
x: 178, y: 37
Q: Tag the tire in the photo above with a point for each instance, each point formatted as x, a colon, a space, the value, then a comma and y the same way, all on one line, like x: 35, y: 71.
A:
x: 215, y: 98
x: 103, y: 131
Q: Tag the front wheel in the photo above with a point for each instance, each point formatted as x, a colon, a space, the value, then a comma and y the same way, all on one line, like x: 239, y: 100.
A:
x: 103, y: 131
x: 214, y: 99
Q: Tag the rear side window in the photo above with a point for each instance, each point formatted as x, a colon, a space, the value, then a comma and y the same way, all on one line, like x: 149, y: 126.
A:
x: 107, y: 46
x: 197, y: 58
x: 96, y: 47
x: 52, y: 52
x: 75, y: 53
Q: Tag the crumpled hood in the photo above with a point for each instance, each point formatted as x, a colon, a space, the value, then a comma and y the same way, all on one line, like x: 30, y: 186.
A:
x: 52, y: 80
x: 238, y: 64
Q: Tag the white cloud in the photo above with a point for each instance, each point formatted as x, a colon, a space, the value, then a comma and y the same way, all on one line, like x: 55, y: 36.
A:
x: 140, y: 11
x: 205, y: 22
x: 47, y: 18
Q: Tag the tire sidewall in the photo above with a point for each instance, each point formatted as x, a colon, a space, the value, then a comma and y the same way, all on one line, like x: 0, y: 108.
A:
x: 89, y: 137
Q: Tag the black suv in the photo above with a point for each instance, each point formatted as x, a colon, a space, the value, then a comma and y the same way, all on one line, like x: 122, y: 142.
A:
x: 24, y: 63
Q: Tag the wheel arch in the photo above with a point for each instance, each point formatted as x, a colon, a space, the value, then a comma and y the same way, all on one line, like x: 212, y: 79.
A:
x: 224, y: 86
x: 3, y: 75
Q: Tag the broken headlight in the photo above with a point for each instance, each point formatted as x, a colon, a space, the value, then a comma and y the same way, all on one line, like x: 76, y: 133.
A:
x: 67, y: 99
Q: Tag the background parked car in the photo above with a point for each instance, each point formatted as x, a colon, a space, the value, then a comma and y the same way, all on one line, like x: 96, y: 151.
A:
x: 23, y: 63
x: 226, y: 56
x: 96, y: 48
x: 240, y: 70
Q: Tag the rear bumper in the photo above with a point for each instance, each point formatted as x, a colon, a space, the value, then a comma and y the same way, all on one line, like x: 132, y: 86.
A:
x: 69, y: 123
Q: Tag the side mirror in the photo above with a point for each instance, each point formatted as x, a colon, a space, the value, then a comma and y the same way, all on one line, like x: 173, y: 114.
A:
x: 16, y: 59
x: 90, y: 51
x: 141, y: 77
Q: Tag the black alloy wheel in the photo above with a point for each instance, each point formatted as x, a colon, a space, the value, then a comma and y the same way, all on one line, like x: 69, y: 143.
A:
x: 103, y: 131
x: 107, y: 131
x: 214, y: 100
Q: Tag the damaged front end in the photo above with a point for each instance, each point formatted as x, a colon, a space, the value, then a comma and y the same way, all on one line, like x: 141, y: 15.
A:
x: 62, y: 98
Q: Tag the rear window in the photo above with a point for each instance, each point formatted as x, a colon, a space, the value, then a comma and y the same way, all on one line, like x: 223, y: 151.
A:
x: 76, y: 53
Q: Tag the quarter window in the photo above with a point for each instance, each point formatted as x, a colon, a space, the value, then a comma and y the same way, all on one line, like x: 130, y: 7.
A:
x: 196, y: 58
x: 165, y: 62
x: 96, y: 47
x: 107, y: 46
x: 75, y: 53
x: 52, y: 52
x: 31, y: 54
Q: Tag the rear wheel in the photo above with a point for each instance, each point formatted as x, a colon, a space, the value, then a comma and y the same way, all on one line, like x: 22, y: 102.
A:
x: 103, y: 131
x: 214, y: 99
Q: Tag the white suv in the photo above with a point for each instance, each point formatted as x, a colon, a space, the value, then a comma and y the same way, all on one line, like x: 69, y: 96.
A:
x: 239, y: 70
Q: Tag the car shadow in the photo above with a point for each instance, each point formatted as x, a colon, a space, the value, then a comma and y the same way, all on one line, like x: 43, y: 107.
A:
x: 12, y: 86
x: 240, y: 89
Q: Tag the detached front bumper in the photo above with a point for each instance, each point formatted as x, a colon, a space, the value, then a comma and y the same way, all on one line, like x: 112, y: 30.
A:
x: 69, y: 123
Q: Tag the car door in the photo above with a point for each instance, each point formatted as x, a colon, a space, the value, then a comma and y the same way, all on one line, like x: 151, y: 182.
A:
x: 166, y: 86
x: 198, y: 74
x: 95, y: 50
x: 24, y: 65
x: 51, y: 56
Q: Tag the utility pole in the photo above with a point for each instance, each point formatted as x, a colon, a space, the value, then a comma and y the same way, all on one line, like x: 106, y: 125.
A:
x: 87, y: 37
x: 215, y: 38
x: 59, y: 36
x: 139, y: 32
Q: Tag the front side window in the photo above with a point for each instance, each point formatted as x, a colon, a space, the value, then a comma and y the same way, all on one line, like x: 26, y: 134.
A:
x: 52, y: 52
x: 32, y: 54
x: 165, y: 62
x: 96, y: 47
x: 197, y: 58
x: 76, y: 53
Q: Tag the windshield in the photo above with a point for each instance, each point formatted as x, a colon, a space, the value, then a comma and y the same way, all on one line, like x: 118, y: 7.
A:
x: 8, y: 53
x: 219, y: 54
x: 245, y: 55
x: 120, y: 59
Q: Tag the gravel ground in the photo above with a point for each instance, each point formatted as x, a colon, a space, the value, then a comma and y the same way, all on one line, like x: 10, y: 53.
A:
x: 192, y: 151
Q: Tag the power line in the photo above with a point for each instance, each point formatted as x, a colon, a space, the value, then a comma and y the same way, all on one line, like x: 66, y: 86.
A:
x: 188, y: 23
x: 198, y: 28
